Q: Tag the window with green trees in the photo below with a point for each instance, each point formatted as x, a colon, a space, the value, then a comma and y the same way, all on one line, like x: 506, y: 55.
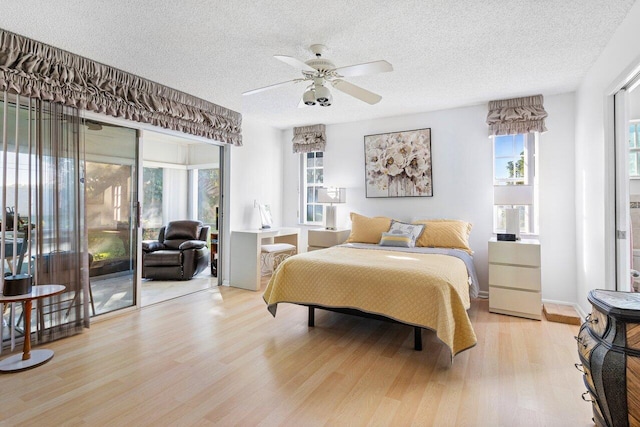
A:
x: 208, y: 195
x: 514, y: 164
x: 152, y: 202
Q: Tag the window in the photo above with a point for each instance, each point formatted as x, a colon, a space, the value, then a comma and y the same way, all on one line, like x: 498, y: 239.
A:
x: 152, y: 189
x: 514, y: 165
x: 634, y: 149
x: 312, y: 179
x: 208, y: 192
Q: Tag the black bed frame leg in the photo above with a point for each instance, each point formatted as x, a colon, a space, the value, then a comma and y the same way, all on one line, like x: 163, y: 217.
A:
x: 417, y: 338
x: 312, y: 317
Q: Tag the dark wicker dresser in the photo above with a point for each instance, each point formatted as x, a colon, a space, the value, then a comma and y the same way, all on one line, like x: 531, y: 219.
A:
x: 609, y: 349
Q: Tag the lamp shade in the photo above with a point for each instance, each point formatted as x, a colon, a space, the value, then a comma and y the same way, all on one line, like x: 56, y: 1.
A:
x: 512, y: 195
x: 332, y: 195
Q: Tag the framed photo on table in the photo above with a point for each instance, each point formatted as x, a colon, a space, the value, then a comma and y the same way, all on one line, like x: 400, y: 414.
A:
x: 398, y: 164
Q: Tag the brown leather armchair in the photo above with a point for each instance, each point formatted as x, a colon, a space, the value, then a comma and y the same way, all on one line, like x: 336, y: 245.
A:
x: 179, y: 253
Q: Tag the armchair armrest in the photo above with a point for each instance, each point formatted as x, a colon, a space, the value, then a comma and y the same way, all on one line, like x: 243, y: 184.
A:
x: 152, y: 245
x: 192, y: 244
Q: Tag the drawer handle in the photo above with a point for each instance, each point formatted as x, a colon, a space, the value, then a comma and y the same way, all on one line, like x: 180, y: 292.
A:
x: 579, y: 367
x: 585, y: 399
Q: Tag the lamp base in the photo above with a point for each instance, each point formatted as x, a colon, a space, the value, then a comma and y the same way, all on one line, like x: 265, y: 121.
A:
x: 512, y: 218
x: 330, y: 217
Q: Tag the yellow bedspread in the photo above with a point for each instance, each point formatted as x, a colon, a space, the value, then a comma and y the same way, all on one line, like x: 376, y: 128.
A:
x: 427, y: 290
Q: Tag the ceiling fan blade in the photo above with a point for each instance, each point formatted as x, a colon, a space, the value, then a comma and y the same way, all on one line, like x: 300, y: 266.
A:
x: 374, y: 67
x: 295, y: 63
x: 356, y: 91
x: 262, y: 89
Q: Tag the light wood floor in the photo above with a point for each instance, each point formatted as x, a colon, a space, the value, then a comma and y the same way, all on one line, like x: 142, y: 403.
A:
x: 219, y: 358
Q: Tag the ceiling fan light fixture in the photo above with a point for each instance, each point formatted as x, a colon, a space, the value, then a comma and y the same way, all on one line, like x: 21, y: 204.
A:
x: 328, y: 101
x: 309, y: 97
x: 322, y: 94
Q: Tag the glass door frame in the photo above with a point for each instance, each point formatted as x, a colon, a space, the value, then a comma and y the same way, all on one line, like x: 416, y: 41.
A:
x: 617, y: 215
x: 129, y: 159
x: 225, y: 153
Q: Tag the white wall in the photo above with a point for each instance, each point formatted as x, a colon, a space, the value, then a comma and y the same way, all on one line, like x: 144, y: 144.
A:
x: 462, y: 181
x: 255, y: 173
x: 592, y: 112
x: 156, y: 150
x: 557, y: 203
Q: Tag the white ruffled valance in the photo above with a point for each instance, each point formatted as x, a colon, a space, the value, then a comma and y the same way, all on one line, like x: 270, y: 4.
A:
x: 37, y: 70
x: 309, y: 138
x: 516, y: 115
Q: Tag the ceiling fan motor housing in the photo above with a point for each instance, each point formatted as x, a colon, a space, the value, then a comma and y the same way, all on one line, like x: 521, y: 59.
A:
x: 321, y: 64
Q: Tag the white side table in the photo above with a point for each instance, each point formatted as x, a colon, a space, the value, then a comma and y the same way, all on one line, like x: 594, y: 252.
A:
x: 514, y: 278
x: 322, y: 238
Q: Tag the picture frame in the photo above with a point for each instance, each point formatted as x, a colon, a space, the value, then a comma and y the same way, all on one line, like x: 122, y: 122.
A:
x: 398, y: 164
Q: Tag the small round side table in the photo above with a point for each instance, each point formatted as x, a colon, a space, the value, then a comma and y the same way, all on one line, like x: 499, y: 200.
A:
x: 29, y: 359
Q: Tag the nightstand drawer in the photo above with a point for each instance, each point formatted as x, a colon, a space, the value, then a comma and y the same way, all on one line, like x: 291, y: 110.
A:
x: 514, y: 253
x: 326, y: 238
x: 515, y: 302
x: 511, y: 276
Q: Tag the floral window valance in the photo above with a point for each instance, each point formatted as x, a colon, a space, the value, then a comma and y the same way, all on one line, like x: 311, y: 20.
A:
x: 516, y: 115
x: 309, y: 138
x: 40, y: 71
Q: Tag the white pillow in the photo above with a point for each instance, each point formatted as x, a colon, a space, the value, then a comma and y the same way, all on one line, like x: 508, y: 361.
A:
x: 413, y: 230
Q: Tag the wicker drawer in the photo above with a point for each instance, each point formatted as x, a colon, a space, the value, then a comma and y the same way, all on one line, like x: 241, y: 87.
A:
x: 598, y: 322
x: 586, y: 343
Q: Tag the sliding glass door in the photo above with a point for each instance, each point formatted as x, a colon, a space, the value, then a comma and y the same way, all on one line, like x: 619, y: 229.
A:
x: 111, y: 206
x: 627, y: 185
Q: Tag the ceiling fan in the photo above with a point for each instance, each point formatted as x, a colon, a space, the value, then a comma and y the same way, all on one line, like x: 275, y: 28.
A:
x: 321, y: 72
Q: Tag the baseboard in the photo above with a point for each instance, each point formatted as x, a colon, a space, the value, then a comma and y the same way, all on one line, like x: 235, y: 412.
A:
x: 225, y: 282
x: 581, y: 312
x: 483, y: 294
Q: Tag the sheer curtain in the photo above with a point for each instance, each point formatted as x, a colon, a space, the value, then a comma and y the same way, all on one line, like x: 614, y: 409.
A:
x: 43, y: 194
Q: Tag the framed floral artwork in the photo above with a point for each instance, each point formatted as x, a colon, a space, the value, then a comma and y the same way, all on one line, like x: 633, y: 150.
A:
x: 398, y: 164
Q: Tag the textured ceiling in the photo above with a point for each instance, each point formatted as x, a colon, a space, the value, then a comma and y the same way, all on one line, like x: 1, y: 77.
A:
x: 445, y: 53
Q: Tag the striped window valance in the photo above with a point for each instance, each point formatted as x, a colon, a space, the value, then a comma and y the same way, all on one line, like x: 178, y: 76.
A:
x: 37, y: 70
x: 309, y: 138
x: 516, y: 115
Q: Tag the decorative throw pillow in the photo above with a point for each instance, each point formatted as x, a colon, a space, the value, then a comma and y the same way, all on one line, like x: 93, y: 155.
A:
x: 445, y: 233
x: 412, y: 230
x: 398, y: 239
x: 367, y: 230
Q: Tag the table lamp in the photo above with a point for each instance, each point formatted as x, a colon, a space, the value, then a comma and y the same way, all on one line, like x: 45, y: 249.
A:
x: 512, y: 196
x: 331, y: 195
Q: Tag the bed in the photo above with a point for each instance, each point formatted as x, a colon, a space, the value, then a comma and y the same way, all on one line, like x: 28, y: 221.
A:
x: 424, y: 287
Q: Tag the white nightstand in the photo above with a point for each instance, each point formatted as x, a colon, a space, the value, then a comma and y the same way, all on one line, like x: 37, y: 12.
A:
x: 514, y: 278
x: 322, y: 238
